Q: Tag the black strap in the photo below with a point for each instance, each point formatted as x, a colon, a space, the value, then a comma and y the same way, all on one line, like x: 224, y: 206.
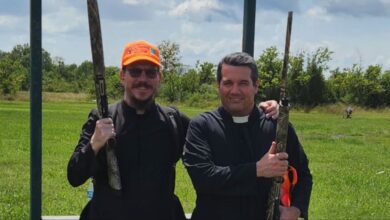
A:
x: 172, y: 115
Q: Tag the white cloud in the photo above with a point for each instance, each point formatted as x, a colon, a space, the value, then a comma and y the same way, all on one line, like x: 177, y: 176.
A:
x: 270, y: 18
x: 309, y: 46
x: 194, y: 6
x: 66, y: 19
x: 270, y: 29
x: 232, y: 27
x: 188, y: 28
x: 147, y: 2
x: 52, y: 6
x: 359, y: 8
x: 208, y: 29
x: 318, y: 13
x: 196, y: 46
x: 377, y: 60
x: 225, y: 46
x: 380, y: 59
x: 204, y: 11
x: 9, y: 21
x: 280, y: 5
x: 132, y: 2
x: 206, y: 50
x: 386, y: 64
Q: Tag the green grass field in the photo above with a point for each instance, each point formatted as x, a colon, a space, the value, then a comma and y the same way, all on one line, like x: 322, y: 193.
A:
x: 349, y: 160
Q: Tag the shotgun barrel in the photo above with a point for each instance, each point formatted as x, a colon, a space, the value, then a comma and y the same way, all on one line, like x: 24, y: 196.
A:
x: 114, y: 179
x: 281, y: 129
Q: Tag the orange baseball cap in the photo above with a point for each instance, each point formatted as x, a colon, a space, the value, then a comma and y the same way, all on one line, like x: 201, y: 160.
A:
x: 140, y: 50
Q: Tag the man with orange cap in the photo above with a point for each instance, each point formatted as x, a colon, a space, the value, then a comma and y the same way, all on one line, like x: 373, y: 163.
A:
x: 147, y: 148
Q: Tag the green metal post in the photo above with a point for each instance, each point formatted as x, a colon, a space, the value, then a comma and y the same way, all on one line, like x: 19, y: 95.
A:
x: 36, y: 110
x: 248, y: 36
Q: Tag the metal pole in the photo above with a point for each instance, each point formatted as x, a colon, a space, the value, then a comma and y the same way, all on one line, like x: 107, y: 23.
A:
x: 248, y: 36
x: 36, y: 110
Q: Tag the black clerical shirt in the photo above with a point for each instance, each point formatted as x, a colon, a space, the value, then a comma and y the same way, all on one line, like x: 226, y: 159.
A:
x: 221, y: 157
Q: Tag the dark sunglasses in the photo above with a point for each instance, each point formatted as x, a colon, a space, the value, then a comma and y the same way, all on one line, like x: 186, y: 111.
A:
x: 136, y: 72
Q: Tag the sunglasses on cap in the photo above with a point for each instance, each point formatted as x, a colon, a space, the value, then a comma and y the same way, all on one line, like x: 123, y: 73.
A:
x: 150, y: 73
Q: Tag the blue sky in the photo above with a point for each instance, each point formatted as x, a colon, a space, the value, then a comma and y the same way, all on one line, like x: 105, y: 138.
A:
x: 357, y: 31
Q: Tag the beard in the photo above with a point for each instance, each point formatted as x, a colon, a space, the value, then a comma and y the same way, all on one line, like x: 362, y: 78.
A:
x: 143, y: 104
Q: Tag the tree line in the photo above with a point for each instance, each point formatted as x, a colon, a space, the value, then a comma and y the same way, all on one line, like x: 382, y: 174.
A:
x: 307, y: 85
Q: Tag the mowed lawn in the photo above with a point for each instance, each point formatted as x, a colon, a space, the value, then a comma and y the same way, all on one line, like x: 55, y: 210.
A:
x: 349, y: 160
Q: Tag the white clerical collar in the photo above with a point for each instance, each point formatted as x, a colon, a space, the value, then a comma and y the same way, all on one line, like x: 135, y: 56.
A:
x: 240, y: 119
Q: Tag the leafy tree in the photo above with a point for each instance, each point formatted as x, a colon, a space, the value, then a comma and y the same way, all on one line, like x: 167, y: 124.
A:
x: 58, y: 65
x: 85, y: 70
x: 269, y: 66
x: 206, y: 72
x: 297, y: 79
x: 171, y: 88
x: 385, y: 83
x: 191, y: 82
x: 206, y: 96
x: 84, y: 77
x: 114, y: 87
x: 364, y: 88
x: 12, y: 74
x: 172, y: 84
x: 169, y: 55
x: 316, y: 65
x: 22, y: 53
x: 52, y: 80
x: 306, y: 83
x: 373, y: 73
x: 69, y: 73
x: 355, y: 85
x: 338, y: 84
x: 373, y: 88
x: 2, y: 54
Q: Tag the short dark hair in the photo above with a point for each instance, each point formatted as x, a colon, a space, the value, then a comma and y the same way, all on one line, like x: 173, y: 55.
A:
x: 239, y: 59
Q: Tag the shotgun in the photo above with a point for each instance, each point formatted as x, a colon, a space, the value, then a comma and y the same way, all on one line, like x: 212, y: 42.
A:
x: 281, y: 129
x: 95, y: 34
